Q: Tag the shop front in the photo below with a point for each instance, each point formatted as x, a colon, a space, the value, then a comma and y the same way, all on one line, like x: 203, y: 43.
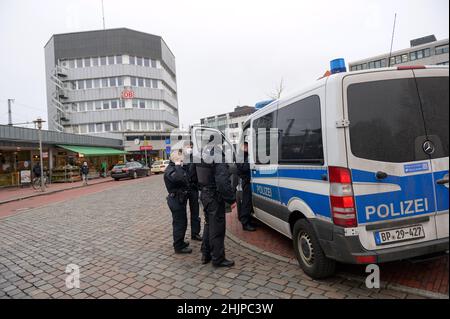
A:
x: 62, y: 155
x: 69, y: 159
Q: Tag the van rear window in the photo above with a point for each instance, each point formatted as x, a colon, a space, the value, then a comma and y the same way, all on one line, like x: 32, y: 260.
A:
x: 386, y: 122
x: 434, y: 96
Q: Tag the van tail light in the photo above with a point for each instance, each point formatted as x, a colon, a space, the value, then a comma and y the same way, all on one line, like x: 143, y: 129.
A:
x: 341, y: 197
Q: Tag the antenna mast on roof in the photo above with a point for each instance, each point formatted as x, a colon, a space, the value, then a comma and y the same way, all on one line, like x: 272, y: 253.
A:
x: 392, y: 40
x: 103, y: 15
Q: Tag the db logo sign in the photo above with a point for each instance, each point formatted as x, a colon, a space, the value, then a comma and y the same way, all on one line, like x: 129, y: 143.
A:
x: 127, y: 94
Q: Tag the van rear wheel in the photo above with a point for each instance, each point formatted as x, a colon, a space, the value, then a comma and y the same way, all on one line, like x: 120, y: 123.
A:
x: 309, y: 254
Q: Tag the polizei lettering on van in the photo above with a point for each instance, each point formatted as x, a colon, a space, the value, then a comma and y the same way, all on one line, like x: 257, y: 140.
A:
x: 387, y: 211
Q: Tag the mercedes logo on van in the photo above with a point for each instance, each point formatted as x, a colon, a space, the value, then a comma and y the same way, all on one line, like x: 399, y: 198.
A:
x: 428, y: 147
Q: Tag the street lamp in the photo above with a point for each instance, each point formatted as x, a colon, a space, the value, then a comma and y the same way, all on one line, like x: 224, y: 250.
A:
x: 38, y: 123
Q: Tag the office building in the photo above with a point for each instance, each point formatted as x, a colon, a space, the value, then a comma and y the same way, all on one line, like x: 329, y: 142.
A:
x: 229, y: 123
x: 110, y: 82
x: 422, y: 51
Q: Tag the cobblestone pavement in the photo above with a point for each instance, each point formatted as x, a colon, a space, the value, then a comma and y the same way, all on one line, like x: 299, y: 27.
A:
x: 121, y: 240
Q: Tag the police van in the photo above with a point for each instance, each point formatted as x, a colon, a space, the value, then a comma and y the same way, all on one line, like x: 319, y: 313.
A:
x: 362, y: 167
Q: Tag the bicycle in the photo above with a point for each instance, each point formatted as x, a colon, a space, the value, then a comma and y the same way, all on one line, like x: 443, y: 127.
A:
x: 36, y: 183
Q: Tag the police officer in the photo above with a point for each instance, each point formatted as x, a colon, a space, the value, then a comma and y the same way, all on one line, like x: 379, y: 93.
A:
x: 245, y: 208
x: 216, y: 191
x: 176, y: 182
x: 192, y: 195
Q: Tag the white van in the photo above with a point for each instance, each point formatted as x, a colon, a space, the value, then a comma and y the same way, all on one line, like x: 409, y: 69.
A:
x: 362, y: 172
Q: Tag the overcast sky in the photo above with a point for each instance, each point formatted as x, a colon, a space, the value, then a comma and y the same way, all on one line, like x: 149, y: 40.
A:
x: 228, y: 52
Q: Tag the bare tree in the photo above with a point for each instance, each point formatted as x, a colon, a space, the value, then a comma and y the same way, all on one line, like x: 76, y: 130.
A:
x: 277, y: 91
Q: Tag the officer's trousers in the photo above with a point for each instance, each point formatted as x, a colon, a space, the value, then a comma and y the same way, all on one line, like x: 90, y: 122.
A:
x: 179, y: 221
x: 214, y: 228
x: 245, y: 209
x: 194, y: 209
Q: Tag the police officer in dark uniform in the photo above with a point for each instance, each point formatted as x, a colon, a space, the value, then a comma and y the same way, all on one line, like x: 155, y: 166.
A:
x: 245, y: 208
x: 177, y: 184
x: 216, y: 192
x: 192, y: 195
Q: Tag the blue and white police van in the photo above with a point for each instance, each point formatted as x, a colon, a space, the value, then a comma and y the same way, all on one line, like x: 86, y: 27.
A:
x: 362, y: 169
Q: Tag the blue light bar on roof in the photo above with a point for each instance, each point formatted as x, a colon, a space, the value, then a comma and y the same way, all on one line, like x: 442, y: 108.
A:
x: 261, y: 104
x: 337, y: 66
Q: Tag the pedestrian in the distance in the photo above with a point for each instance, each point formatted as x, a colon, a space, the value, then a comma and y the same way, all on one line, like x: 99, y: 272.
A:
x: 84, y: 170
x: 104, y: 168
x: 176, y: 181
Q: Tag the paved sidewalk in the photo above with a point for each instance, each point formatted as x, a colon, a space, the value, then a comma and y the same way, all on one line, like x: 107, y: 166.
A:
x: 428, y: 278
x: 18, y: 193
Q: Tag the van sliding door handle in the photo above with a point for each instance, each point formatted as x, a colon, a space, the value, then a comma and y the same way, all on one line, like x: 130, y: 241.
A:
x: 381, y: 175
x: 442, y: 181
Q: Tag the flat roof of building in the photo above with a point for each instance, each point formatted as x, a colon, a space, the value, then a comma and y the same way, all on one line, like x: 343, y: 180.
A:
x: 20, y: 134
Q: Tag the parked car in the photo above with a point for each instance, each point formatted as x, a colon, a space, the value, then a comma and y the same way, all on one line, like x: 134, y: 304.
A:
x: 130, y: 169
x: 159, y: 166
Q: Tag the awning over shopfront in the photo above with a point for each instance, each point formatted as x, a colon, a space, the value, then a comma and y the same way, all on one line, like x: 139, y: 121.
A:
x: 93, y: 151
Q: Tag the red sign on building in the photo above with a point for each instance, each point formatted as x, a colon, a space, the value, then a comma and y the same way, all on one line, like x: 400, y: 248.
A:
x: 127, y: 94
x: 146, y: 148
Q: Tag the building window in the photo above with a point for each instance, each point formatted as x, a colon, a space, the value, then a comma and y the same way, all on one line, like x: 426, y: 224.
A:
x: 112, y: 82
x: 441, y: 49
x: 139, y: 61
x: 87, y: 62
x: 82, y: 129
x: 133, y: 81
x: 79, y: 63
x: 82, y: 106
x: 102, y: 60
x: 119, y: 81
x: 140, y: 82
x: 96, y: 83
x: 132, y: 60
x: 419, y: 54
x: 105, y: 82
x: 427, y: 52
x: 110, y: 60
x: 98, y: 105
x: 71, y: 64
x: 153, y: 63
x: 142, y: 104
x: 154, y: 84
x: 106, y: 105
x: 413, y: 56
x: 107, y: 127
x: 115, y: 126
x: 136, y: 126
x: 91, y: 128
x: 404, y: 58
x: 392, y: 61
x: 95, y: 61
x: 146, y: 62
x: 89, y: 84
x: 114, y: 104
x: 99, y: 127
x: 398, y: 59
x: 147, y: 83
x: 80, y: 85
x: 90, y: 106
x: 119, y: 59
x: 135, y: 103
